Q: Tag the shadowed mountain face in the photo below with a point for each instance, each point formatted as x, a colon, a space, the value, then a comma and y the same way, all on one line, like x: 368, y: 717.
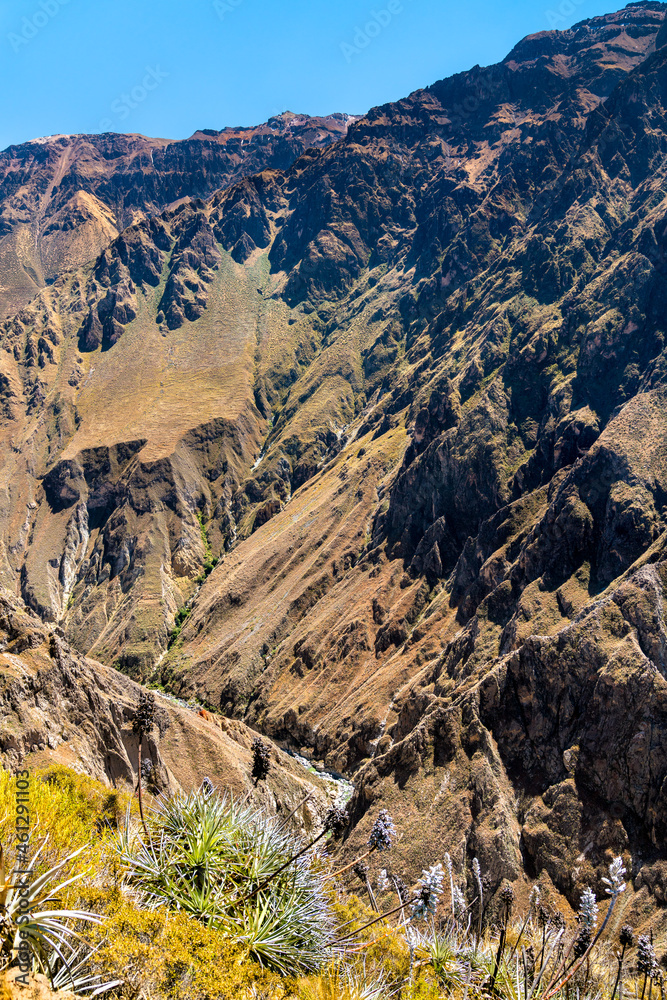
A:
x: 411, y: 392
x: 63, y: 199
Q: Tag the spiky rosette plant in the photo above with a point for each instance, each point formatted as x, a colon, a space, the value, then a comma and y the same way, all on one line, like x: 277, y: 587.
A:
x: 534, y: 899
x: 336, y: 820
x: 626, y: 939
x: 142, y: 725
x: 588, y: 919
x: 361, y: 871
x: 402, y: 890
x: 428, y: 893
x: 507, y: 898
x: 588, y: 937
x: 36, y: 927
x: 144, y: 717
x: 457, y: 899
x: 441, y: 951
x: 261, y: 760
x: 477, y: 872
x: 647, y: 964
x: 149, y: 775
x: 382, y: 833
x: 382, y: 836
x: 343, y: 982
x: 230, y: 866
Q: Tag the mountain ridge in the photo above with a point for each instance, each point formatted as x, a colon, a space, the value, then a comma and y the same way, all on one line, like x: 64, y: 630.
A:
x: 66, y: 197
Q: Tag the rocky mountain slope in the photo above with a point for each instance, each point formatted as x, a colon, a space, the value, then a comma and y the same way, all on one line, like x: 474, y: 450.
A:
x: 63, y: 199
x: 410, y: 394
x: 61, y: 708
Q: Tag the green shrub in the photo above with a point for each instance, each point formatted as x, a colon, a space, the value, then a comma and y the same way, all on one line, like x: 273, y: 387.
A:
x: 181, y: 615
x: 179, y: 621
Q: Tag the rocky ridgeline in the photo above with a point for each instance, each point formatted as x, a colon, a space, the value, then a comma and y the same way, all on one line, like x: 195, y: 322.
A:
x: 59, y: 707
x: 66, y: 197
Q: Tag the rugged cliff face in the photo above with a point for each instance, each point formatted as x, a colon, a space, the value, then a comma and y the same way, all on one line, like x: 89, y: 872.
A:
x: 63, y: 199
x: 411, y: 393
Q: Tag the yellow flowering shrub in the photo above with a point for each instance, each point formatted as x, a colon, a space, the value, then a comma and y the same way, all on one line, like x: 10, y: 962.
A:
x: 69, y: 811
x: 172, y: 956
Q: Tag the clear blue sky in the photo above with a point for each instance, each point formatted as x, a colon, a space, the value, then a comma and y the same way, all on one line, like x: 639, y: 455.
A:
x: 169, y: 67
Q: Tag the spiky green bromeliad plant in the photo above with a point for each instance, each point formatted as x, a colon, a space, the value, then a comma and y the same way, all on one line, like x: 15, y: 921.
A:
x: 38, y: 934
x: 225, y: 864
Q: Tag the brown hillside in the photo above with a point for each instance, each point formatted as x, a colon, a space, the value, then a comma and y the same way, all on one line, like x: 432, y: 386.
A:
x: 61, y: 708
